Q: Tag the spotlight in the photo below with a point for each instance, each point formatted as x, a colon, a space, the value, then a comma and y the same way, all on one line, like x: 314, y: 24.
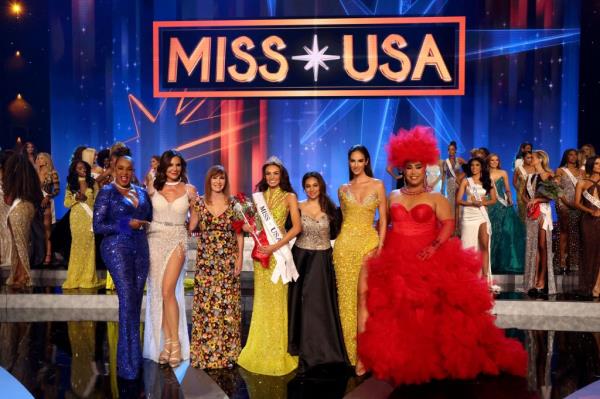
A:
x: 18, y: 53
x: 19, y: 97
x: 16, y: 8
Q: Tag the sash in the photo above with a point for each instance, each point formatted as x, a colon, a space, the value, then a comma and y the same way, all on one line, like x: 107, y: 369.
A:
x: 450, y: 168
x: 488, y: 225
x: 593, y: 200
x: 570, y: 176
x: 89, y: 212
x: 521, y: 169
x: 284, y: 267
x: 530, y: 185
x: 503, y: 200
x: 16, y: 202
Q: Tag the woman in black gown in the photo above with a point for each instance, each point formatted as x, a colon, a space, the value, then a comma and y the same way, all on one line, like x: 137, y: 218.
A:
x: 315, y: 332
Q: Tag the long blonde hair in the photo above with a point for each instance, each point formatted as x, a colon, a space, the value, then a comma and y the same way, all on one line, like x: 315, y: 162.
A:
x: 88, y: 155
x: 543, y: 156
x: 50, y: 163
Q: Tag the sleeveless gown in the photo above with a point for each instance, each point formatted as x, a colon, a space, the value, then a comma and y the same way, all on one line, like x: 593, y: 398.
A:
x: 265, y: 351
x: 471, y: 218
x: 449, y: 185
x: 572, y: 223
x: 590, y: 231
x: 315, y: 332
x: 357, y: 239
x: 167, y: 232
x: 431, y: 319
x: 508, y: 232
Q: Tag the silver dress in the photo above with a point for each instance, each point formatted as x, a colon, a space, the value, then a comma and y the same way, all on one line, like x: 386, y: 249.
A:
x: 571, y: 224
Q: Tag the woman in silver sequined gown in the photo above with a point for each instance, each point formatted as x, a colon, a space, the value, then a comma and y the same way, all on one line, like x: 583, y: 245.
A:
x: 569, y: 217
x: 451, y: 169
x: 315, y: 331
x: 539, y: 273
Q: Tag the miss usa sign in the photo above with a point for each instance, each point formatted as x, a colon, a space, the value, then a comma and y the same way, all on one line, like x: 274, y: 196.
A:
x: 334, y: 57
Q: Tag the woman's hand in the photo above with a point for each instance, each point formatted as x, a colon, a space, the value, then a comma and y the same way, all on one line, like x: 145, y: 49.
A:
x: 532, y: 202
x: 247, y: 228
x: 137, y: 224
x: 596, y: 213
x: 45, y: 202
x: 267, y: 249
x: 478, y: 204
x: 79, y: 196
x: 238, y: 266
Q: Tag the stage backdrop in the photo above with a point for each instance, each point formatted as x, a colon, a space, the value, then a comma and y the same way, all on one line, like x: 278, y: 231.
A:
x: 520, y: 85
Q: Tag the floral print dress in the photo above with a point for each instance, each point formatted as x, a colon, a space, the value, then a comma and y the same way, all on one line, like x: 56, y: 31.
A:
x: 216, y: 312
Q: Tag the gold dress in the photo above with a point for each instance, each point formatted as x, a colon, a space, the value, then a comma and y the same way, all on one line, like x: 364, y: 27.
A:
x: 266, y: 348
x: 357, y: 239
x: 19, y: 222
x: 81, y: 272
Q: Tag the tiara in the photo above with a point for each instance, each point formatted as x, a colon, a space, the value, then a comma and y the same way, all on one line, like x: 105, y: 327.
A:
x: 273, y: 160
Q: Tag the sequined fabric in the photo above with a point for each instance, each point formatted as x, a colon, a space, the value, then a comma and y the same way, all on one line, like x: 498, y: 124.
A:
x: 315, y: 233
x: 570, y: 219
x: 125, y: 253
x: 19, y: 223
x: 166, y: 234
x: 5, y: 238
x: 216, y: 314
x: 449, y: 185
x: 521, y: 188
x: 266, y: 348
x: 81, y: 272
x: 357, y: 238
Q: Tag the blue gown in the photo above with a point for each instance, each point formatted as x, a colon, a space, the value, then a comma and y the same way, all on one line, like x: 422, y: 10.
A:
x: 508, y: 236
x: 125, y: 253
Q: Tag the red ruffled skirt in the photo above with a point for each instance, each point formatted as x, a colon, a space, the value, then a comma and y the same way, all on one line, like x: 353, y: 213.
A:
x: 431, y: 319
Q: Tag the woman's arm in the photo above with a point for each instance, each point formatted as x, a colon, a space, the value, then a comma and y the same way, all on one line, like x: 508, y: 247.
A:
x: 579, y: 199
x: 383, y: 213
x: 69, y: 199
x: 507, y: 187
x: 461, y: 193
x: 390, y: 170
x: 493, y: 198
x: 193, y: 222
x: 102, y: 220
x: 239, y: 259
x: 55, y: 183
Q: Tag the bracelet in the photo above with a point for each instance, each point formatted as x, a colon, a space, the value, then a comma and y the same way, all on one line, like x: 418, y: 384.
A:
x: 435, y: 243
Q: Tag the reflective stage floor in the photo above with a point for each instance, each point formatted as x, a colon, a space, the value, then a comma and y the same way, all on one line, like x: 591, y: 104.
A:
x: 63, y: 345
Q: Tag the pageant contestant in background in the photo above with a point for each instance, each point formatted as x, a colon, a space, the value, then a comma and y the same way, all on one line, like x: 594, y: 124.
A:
x: 166, y: 338
x: 398, y: 177
x: 586, y: 151
x: 520, y: 177
x: 539, y: 273
x: 151, y: 174
x: 50, y: 189
x: 476, y: 227
x: 31, y: 152
x: 569, y: 217
x: 22, y: 192
x: 5, y: 239
x: 423, y: 285
x: 216, y: 310
x: 508, y: 231
x: 315, y: 332
x: 587, y: 199
x: 79, y: 198
x: 524, y: 148
x: 434, y: 176
x: 265, y: 351
x: 89, y: 155
x: 358, y: 239
x: 451, y: 169
x: 121, y: 213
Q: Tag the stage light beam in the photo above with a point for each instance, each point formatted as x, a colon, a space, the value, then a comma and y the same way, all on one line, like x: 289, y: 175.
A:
x: 16, y: 8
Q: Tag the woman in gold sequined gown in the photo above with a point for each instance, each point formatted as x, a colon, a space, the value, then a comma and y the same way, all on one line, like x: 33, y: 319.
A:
x: 359, y: 199
x: 79, y: 197
x: 265, y: 351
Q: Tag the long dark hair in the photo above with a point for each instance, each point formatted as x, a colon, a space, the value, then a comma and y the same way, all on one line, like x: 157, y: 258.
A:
x: 521, y: 153
x: 284, y: 181
x: 20, y: 180
x: 589, y: 164
x: 103, y: 155
x: 78, y: 153
x: 325, y: 201
x: 164, y: 163
x: 73, y: 177
x: 215, y: 170
x: 486, y: 180
x: 363, y: 150
x: 565, y: 158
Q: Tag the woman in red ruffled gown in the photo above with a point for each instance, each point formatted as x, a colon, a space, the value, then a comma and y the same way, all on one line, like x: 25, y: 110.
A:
x: 428, y: 309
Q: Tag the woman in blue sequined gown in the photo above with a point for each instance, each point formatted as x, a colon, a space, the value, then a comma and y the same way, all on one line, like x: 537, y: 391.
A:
x: 121, y: 213
x: 508, y: 243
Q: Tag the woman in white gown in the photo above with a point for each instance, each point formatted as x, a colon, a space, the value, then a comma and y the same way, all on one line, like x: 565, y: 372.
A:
x: 476, y: 228
x: 166, y: 338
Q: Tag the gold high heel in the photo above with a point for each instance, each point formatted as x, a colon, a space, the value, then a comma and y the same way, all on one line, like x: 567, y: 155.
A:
x: 165, y: 355
x: 175, y: 360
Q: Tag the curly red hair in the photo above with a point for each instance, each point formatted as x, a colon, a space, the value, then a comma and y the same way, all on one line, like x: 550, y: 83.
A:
x: 415, y: 145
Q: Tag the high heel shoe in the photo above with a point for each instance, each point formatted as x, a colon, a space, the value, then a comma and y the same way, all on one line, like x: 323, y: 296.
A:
x: 175, y: 357
x: 47, y: 260
x: 165, y: 355
x: 360, y: 369
x: 596, y: 292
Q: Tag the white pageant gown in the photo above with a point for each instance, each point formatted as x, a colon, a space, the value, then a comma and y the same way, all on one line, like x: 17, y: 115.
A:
x: 167, y: 231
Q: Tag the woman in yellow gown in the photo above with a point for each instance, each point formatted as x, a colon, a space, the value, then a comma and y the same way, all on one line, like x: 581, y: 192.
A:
x: 359, y: 199
x: 265, y: 351
x: 79, y: 197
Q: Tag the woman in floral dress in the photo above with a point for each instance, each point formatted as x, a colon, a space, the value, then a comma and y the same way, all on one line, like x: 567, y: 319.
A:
x: 216, y: 311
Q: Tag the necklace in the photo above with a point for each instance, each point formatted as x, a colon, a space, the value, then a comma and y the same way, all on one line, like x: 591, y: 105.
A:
x: 123, y: 187
x: 81, y: 179
x: 173, y: 183
x: 406, y: 191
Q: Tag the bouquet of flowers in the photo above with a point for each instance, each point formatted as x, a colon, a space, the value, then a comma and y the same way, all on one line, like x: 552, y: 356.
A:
x: 245, y: 213
x: 548, y: 189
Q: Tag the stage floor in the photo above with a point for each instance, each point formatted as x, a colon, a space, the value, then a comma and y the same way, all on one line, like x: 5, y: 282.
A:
x: 63, y: 344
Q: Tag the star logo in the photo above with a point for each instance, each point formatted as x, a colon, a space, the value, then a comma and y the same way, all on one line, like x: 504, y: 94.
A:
x: 315, y: 58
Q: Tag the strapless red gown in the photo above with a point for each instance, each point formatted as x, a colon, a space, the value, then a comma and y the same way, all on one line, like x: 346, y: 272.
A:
x: 431, y: 319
